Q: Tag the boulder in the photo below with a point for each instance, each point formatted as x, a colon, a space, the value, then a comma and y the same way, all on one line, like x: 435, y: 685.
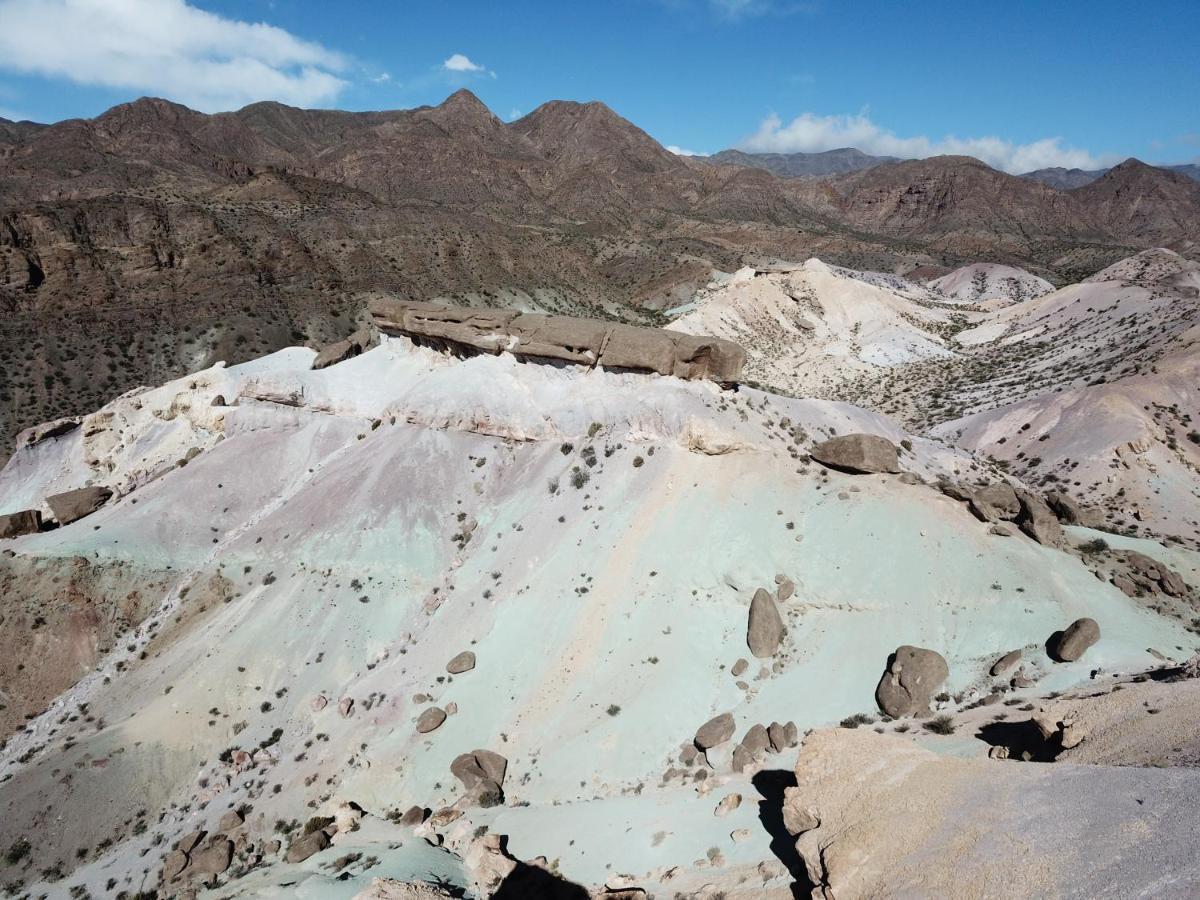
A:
x: 45, y: 432
x: 430, y: 720
x: 214, y: 858
x: 346, y: 707
x: 1037, y: 521
x: 304, y: 847
x: 728, y: 804
x: 231, y: 821
x: 756, y: 740
x: 15, y: 524
x: 71, y: 506
x: 777, y: 735
x: 715, y: 731
x: 912, y: 677
x: 786, y: 589
x: 173, y: 863
x: 1152, y: 574
x: 764, y: 629
x: 1072, y: 643
x: 995, y: 501
x: 1068, y: 511
x: 189, y: 841
x: 464, y: 662
x: 482, y: 774
x: 414, y: 816
x: 589, y: 342
x: 1006, y: 662
x: 858, y: 453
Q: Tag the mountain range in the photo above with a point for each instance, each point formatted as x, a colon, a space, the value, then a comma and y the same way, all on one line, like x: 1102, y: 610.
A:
x: 849, y: 159
x: 154, y: 239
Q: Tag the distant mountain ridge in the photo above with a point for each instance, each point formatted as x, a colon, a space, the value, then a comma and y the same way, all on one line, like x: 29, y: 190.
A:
x: 796, y: 165
x: 850, y: 159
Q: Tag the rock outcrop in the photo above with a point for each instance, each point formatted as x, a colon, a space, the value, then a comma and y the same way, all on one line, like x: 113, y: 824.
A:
x: 588, y: 342
x: 862, y: 454
x: 340, y: 351
x: 912, y: 677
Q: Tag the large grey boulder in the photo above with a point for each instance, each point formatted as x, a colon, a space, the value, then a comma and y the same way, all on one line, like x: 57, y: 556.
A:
x: 463, y: 662
x: 588, y: 342
x: 1070, y: 644
x: 70, y: 506
x: 858, y: 453
x: 764, y: 629
x: 912, y: 678
x: 27, y: 521
x: 715, y: 731
x: 995, y: 501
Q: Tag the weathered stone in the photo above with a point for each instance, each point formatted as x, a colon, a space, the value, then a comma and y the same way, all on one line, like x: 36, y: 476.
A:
x: 791, y: 734
x: 1154, y: 573
x: 70, y: 506
x: 1072, y: 643
x: 742, y: 759
x: 444, y: 817
x: 1000, y: 529
x: 46, y: 431
x: 912, y: 677
x: 1068, y: 511
x: 1037, y: 521
x: 1006, y: 662
x: 728, y: 804
x: 173, y: 863
x: 214, y: 858
x: 463, y: 662
x: 318, y: 703
x: 430, y: 720
x: 777, y: 736
x: 589, y: 342
x: 997, y: 501
x: 858, y: 453
x: 739, y: 667
x: 482, y: 774
x: 797, y: 818
x: 15, y: 524
x: 231, y: 821
x: 756, y: 740
x: 414, y: 816
x: 346, y: 707
x: 764, y: 629
x: 340, y: 351
x: 786, y: 588
x: 304, y: 847
x: 188, y: 842
x: 715, y: 731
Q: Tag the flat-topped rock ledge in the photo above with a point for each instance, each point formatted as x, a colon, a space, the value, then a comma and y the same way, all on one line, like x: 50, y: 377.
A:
x: 587, y: 342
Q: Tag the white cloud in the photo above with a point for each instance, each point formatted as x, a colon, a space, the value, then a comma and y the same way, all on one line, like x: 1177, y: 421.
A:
x: 460, y: 63
x: 166, y: 47
x: 514, y: 114
x: 810, y: 133
x: 680, y: 151
x: 382, y: 78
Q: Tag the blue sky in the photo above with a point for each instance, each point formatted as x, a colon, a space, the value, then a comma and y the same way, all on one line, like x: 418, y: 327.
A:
x: 1019, y: 84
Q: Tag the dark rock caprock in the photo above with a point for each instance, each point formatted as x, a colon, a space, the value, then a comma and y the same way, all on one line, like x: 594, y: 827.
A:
x: 588, y: 342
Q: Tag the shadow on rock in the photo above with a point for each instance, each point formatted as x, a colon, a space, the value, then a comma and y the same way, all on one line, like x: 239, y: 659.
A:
x: 527, y: 882
x: 770, y: 785
x: 1020, y: 738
